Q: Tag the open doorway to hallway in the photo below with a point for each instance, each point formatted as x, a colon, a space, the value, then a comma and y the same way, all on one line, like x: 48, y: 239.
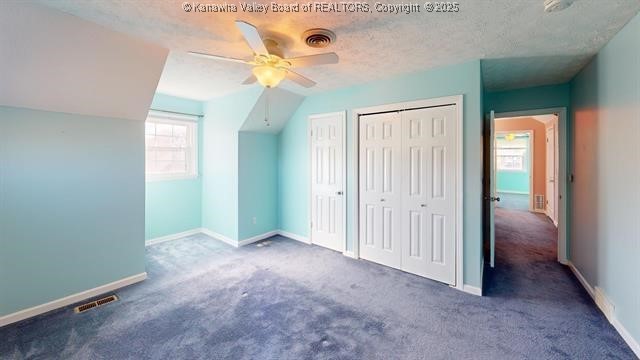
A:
x: 524, y: 165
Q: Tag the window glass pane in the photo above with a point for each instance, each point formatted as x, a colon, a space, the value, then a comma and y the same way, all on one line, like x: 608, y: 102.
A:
x: 150, y: 128
x: 149, y: 140
x: 164, y: 155
x: 180, y: 131
x: 163, y: 141
x: 164, y: 129
x: 170, y: 149
x: 179, y: 155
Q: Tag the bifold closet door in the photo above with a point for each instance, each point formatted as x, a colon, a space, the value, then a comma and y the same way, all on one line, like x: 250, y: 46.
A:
x: 380, y: 188
x: 428, y: 192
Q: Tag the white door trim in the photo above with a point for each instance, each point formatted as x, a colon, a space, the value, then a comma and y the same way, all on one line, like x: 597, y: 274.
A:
x: 343, y: 122
x: 531, y: 159
x: 441, y: 101
x: 562, y: 172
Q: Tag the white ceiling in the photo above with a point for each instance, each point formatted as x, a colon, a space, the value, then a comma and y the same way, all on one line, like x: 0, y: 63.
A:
x: 281, y: 105
x: 522, y: 45
x: 57, y: 62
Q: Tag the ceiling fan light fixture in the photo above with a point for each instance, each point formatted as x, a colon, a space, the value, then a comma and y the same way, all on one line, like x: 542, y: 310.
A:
x: 269, y: 76
x: 556, y: 5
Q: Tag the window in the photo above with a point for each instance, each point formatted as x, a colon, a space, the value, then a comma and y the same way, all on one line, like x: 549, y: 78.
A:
x: 510, y: 158
x: 171, y: 148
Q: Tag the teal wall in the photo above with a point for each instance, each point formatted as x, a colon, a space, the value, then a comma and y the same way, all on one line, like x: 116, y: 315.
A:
x: 515, y: 181
x: 606, y: 244
x: 257, y: 184
x: 452, y: 80
x: 538, y: 97
x: 177, y: 104
x: 173, y: 206
x: 222, y: 121
x: 71, y: 204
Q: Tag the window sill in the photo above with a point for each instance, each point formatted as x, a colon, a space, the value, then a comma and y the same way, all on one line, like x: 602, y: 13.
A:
x: 157, y: 178
x: 512, y: 171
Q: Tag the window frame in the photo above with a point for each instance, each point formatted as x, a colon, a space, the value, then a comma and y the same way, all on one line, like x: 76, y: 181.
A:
x: 527, y: 157
x: 192, y: 161
x: 523, y: 157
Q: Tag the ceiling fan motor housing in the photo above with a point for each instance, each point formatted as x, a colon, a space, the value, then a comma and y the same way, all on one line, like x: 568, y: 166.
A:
x: 318, y: 38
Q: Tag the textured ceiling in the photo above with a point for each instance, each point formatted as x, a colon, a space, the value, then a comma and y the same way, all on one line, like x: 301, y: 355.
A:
x: 520, y: 44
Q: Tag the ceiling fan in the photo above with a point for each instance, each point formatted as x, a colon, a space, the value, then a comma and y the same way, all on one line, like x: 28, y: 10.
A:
x: 270, y: 66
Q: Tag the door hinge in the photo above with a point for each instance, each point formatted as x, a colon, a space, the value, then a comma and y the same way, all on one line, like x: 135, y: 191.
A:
x: 311, y: 224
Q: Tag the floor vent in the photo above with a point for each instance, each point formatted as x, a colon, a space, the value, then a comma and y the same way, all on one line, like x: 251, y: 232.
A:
x: 94, y: 304
x: 264, y: 243
x: 539, y: 205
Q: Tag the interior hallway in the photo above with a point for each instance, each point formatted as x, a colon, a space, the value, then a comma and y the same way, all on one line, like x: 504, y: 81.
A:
x: 287, y: 300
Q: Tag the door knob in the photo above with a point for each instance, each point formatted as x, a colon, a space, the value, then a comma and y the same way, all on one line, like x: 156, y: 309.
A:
x: 338, y: 192
x: 381, y: 199
x: 496, y: 198
x: 423, y: 205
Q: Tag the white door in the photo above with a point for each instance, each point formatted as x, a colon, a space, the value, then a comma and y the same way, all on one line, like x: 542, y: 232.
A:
x: 428, y: 188
x: 551, y: 173
x: 380, y: 184
x: 493, y: 195
x: 327, y: 180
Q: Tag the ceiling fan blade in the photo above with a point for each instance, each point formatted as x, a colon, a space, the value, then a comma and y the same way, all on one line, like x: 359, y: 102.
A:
x: 312, y: 60
x: 217, y: 57
x: 252, y: 36
x: 299, y: 79
x: 250, y: 80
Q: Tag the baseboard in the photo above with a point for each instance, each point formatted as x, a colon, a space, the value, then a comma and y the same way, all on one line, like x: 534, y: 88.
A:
x: 239, y: 243
x: 582, y: 280
x: 604, y: 303
x: 257, y: 238
x: 350, y: 254
x: 293, y: 236
x: 170, y: 237
x: 226, y: 239
x: 633, y: 344
x: 71, y: 299
x: 608, y: 309
x: 220, y: 237
x: 472, y: 290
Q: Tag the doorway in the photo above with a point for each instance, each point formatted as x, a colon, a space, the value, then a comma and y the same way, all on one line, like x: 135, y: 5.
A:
x: 525, y: 159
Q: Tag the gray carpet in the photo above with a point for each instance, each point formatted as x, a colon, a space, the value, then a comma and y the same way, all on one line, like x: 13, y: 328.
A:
x: 287, y: 300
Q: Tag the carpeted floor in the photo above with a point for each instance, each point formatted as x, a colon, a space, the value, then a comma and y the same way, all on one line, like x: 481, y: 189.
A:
x: 288, y: 300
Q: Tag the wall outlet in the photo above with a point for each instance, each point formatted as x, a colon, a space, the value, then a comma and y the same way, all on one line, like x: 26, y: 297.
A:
x: 253, y: 220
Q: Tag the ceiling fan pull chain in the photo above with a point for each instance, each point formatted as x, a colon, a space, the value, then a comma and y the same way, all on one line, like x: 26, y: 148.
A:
x: 266, y: 107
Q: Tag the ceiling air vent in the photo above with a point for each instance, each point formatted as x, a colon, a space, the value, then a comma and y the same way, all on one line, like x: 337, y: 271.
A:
x: 94, y: 304
x: 318, y: 38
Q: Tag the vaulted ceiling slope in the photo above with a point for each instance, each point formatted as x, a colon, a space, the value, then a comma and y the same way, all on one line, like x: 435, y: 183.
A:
x: 520, y: 44
x: 278, y: 105
x: 57, y: 62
